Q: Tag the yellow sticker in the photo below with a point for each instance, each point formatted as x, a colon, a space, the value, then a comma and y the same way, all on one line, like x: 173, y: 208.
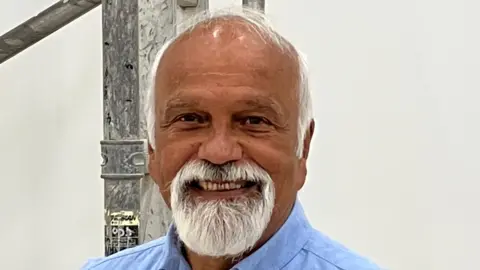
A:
x: 123, y: 218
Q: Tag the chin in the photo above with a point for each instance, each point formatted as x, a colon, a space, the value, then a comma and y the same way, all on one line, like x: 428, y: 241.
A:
x: 223, y: 227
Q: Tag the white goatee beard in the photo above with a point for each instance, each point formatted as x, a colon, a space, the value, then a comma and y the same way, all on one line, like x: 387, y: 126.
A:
x: 221, y: 228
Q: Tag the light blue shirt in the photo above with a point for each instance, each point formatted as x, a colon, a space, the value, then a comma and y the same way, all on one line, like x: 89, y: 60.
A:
x: 296, y: 246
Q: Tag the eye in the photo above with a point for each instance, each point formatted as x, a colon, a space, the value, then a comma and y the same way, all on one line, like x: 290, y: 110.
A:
x: 255, y: 120
x: 191, y: 117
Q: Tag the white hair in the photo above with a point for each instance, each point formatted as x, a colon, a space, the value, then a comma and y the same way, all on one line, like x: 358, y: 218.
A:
x: 221, y: 228
x: 262, y: 27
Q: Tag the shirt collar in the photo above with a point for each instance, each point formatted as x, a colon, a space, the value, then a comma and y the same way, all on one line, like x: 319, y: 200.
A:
x: 173, y: 258
x: 274, y: 254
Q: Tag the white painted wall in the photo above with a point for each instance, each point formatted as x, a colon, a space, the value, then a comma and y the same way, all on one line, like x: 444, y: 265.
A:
x: 394, y: 169
x: 51, y: 193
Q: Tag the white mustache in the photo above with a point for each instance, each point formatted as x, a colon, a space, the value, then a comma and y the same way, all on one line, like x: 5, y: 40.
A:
x: 200, y: 170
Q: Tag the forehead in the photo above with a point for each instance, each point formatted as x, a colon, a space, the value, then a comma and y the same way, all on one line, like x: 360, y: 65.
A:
x: 227, y: 53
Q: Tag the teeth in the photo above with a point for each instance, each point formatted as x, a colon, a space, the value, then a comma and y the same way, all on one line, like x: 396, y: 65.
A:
x: 205, y: 185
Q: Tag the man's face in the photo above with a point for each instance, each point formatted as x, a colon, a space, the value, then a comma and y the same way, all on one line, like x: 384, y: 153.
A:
x: 226, y: 134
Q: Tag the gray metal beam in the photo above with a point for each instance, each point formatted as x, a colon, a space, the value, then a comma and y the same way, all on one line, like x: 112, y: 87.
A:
x: 121, y: 104
x: 42, y: 25
x: 255, y: 4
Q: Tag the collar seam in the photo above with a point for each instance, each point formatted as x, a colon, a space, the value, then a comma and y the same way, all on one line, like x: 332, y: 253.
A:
x: 286, y: 263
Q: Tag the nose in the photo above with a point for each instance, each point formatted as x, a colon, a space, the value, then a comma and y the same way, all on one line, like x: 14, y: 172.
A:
x: 220, y: 148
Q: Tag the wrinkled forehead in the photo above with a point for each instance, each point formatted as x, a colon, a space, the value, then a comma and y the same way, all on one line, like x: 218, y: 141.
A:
x: 230, y: 47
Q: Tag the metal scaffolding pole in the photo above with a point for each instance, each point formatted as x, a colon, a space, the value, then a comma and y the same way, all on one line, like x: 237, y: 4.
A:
x: 42, y: 25
x: 255, y: 4
x: 123, y: 151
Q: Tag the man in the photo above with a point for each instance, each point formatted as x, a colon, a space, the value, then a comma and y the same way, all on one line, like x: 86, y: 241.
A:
x: 230, y: 122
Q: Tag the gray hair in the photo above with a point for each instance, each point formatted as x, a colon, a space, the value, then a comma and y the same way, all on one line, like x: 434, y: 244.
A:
x: 259, y: 24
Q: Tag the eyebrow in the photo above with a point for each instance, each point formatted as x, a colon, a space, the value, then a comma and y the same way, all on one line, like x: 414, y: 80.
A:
x: 176, y: 104
x: 263, y: 104
x: 259, y: 103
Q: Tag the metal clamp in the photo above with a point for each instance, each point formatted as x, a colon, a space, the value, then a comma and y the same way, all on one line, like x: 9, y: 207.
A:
x: 187, y: 3
x: 124, y: 160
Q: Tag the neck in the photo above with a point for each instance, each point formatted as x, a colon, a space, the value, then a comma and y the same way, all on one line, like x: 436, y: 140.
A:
x: 198, y: 262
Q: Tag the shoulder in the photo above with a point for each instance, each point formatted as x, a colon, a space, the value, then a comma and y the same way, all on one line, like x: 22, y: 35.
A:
x: 321, y: 252
x: 140, y: 257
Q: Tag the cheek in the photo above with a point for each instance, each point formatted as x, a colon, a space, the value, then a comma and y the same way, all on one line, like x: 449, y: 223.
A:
x: 276, y: 153
x: 284, y: 179
x: 171, y: 159
x: 279, y: 161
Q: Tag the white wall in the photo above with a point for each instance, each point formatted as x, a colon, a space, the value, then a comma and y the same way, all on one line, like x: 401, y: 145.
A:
x: 395, y: 168
x: 395, y: 156
x: 51, y: 194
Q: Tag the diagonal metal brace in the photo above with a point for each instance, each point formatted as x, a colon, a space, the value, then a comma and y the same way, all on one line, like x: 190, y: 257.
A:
x: 124, y: 159
x: 42, y: 25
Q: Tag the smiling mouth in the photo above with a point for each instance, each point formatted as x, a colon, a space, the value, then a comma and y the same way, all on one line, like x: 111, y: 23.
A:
x: 224, y: 190
x: 222, y: 186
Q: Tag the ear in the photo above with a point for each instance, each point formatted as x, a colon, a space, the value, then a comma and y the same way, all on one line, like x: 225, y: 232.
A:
x: 153, y: 163
x: 151, y: 157
x: 303, y: 160
x: 150, y: 149
x: 308, y: 139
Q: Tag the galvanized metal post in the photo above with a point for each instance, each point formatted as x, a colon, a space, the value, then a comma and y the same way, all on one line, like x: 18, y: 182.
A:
x: 45, y: 23
x: 133, y: 32
x: 255, y: 4
x: 124, y: 155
